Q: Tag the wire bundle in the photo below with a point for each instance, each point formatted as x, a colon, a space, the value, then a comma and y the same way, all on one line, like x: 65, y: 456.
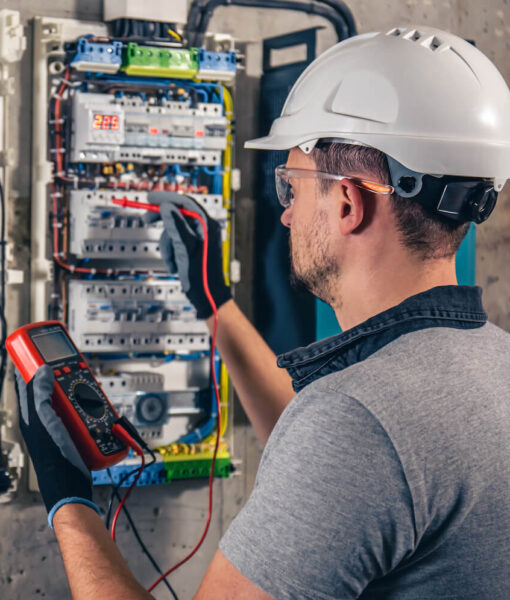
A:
x: 336, y: 12
x: 139, y: 29
x: 192, y: 215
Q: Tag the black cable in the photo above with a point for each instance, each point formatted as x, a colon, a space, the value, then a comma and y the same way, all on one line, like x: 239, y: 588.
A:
x: 341, y: 8
x: 201, y: 13
x: 310, y: 8
x: 194, y: 16
x: 112, y: 496
x: 198, y: 7
x: 115, y: 490
x: 140, y: 541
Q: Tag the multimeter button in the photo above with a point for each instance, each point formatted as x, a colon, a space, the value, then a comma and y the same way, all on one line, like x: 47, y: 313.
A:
x: 57, y: 372
x: 83, y: 365
x: 66, y: 369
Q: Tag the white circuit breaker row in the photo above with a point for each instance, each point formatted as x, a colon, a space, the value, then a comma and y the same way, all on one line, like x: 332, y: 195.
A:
x: 99, y: 229
x: 165, y: 400
x: 107, y: 128
x: 138, y: 316
x: 154, y: 410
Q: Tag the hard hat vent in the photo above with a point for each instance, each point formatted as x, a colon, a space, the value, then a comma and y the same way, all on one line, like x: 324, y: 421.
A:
x: 423, y: 96
x: 414, y: 35
x: 434, y: 43
x: 431, y: 42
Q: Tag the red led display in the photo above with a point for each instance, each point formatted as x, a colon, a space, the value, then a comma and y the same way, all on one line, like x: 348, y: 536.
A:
x: 105, y: 122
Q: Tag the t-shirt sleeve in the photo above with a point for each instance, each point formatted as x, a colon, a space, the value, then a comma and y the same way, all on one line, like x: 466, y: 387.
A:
x: 330, y: 511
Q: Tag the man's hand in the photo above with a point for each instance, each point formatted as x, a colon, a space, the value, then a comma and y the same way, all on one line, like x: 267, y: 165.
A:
x: 94, y: 565
x: 264, y: 389
x: 61, y: 473
x: 181, y: 249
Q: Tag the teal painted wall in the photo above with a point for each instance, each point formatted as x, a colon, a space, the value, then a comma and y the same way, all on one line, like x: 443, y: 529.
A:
x: 327, y: 325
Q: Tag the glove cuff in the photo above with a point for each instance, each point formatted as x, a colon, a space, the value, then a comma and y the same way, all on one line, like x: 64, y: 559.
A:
x: 220, y: 297
x: 71, y: 500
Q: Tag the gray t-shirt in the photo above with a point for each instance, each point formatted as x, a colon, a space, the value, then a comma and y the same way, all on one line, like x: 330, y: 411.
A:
x: 389, y: 479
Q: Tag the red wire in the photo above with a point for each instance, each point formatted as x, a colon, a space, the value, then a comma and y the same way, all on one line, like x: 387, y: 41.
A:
x: 216, y: 391
x: 60, y: 173
x: 59, y: 166
x: 72, y: 268
x: 119, y: 432
x: 58, y: 128
x: 193, y: 215
x: 132, y: 443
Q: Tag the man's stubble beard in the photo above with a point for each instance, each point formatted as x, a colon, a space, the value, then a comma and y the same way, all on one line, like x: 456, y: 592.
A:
x: 312, y: 268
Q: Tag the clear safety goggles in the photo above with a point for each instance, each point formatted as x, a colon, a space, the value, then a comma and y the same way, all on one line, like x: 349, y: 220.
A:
x: 284, y: 176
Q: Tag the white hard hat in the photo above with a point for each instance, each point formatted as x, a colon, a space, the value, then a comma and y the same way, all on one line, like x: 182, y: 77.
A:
x: 427, y: 98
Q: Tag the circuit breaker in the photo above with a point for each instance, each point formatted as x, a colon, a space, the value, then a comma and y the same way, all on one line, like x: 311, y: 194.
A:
x: 115, y: 119
x: 109, y: 128
x: 100, y: 229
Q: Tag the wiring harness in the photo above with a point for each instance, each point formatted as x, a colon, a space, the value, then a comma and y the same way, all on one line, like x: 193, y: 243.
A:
x: 335, y: 11
x: 128, y: 439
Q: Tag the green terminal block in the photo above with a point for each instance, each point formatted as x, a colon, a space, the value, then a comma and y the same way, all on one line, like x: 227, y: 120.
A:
x: 192, y: 466
x: 150, y: 61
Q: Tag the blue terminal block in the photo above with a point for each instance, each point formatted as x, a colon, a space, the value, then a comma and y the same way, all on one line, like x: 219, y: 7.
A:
x: 152, y: 475
x: 216, y: 66
x: 99, y: 57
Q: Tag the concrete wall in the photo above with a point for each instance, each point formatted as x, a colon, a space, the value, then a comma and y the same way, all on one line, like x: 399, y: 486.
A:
x: 170, y: 518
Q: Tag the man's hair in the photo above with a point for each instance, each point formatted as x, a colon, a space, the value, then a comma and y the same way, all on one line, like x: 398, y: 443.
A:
x: 424, y: 233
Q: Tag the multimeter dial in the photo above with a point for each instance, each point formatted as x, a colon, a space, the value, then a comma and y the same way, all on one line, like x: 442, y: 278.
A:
x: 77, y: 397
x: 89, y: 400
x: 91, y: 405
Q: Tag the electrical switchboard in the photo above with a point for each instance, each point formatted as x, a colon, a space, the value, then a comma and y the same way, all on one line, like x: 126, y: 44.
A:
x: 115, y: 119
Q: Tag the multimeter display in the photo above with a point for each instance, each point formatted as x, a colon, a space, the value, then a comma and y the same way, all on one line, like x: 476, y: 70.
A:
x: 77, y: 397
x: 53, y: 345
x: 105, y: 122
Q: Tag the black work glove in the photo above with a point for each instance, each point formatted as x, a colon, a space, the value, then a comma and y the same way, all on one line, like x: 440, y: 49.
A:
x: 181, y: 250
x: 61, y: 473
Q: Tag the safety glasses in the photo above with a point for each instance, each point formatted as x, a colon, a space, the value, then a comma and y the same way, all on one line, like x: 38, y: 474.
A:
x: 284, y: 177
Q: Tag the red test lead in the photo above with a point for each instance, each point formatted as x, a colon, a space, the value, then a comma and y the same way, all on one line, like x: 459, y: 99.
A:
x: 124, y: 202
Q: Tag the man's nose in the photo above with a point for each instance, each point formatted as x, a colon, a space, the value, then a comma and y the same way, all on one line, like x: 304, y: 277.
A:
x: 286, y: 217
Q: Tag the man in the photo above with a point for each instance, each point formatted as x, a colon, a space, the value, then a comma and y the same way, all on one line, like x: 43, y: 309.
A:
x: 387, y: 476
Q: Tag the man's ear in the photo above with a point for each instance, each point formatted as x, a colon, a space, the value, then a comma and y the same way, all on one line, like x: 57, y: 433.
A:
x: 352, y: 207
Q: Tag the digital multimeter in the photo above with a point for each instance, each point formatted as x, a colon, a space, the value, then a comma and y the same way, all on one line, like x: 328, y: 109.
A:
x: 77, y: 397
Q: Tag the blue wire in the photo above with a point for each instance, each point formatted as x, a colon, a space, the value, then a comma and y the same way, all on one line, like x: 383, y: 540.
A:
x: 213, y: 172
x: 204, y: 94
x: 207, y: 428
x: 151, y: 81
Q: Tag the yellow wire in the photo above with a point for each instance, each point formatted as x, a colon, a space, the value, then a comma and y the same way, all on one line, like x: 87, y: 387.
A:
x: 226, y: 192
x: 227, y: 203
x: 173, y: 449
x: 227, y: 169
x: 175, y: 34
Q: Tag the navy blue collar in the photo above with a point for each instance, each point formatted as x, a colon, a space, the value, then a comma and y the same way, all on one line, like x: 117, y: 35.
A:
x: 444, y: 306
